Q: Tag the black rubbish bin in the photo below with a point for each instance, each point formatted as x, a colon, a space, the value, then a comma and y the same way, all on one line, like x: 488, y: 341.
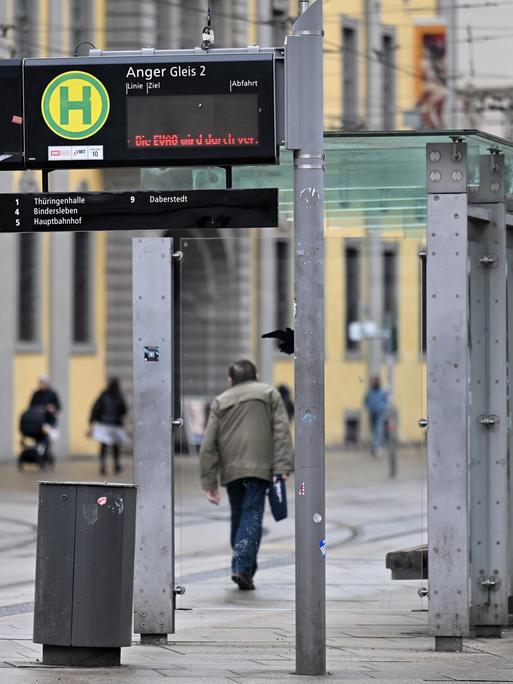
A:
x: 84, y: 572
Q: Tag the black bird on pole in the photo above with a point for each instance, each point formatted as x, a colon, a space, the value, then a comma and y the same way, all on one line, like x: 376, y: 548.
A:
x: 286, y: 337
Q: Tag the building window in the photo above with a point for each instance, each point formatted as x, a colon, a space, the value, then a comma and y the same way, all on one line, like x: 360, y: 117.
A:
x: 83, y: 285
x: 388, y: 58
x: 349, y: 74
x: 390, y: 295
x: 283, y: 288
x: 28, y: 288
x: 352, y: 261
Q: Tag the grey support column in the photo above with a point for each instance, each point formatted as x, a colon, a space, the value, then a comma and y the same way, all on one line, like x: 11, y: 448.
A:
x: 8, y: 274
x: 375, y: 299
x: 447, y: 385
x: 509, y: 296
x: 153, y: 425
x: 59, y: 353
x: 374, y: 47
x: 305, y: 137
x: 488, y: 431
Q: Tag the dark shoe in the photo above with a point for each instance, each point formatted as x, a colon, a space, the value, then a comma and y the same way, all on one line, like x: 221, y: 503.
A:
x: 118, y: 468
x: 103, y: 470
x: 244, y: 581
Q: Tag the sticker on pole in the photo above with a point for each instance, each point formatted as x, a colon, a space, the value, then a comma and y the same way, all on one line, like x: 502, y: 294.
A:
x: 322, y: 546
x: 75, y: 105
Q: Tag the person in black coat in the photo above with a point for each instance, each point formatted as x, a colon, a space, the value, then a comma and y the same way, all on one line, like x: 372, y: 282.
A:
x: 46, y: 396
x: 106, y: 423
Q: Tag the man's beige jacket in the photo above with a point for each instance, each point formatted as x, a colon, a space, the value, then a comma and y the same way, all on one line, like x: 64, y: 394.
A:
x: 247, y: 435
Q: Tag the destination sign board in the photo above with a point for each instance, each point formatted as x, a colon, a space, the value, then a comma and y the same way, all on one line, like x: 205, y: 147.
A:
x: 150, y: 111
x: 90, y: 211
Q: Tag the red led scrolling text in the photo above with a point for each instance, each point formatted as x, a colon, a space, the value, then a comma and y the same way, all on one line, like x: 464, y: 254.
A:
x: 174, y: 140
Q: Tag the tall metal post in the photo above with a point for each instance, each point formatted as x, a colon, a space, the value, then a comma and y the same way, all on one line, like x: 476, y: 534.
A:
x: 153, y: 407
x: 447, y: 307
x: 304, y: 116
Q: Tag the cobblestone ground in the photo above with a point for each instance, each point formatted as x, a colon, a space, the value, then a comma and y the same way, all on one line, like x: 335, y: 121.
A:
x: 376, y: 628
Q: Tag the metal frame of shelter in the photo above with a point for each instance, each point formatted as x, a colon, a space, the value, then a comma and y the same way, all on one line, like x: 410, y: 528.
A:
x: 469, y: 355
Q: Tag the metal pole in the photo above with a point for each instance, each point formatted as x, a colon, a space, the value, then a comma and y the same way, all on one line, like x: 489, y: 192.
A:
x: 448, y: 366
x: 153, y: 404
x: 304, y: 102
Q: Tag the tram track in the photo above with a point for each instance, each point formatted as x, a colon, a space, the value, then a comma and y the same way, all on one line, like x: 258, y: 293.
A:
x: 23, y: 543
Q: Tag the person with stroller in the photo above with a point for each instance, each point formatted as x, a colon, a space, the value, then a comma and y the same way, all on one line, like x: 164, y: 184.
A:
x: 106, y: 424
x: 39, y: 424
x: 33, y: 426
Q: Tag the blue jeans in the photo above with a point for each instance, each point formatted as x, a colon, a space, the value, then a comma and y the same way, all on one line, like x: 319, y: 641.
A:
x: 247, y: 502
x: 377, y: 421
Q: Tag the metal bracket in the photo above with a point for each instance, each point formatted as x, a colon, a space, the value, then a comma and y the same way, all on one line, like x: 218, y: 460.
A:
x: 422, y: 422
x: 489, y: 260
x: 488, y: 422
x: 177, y: 256
x: 422, y: 253
x: 489, y: 584
x: 179, y: 590
x: 493, y: 583
x: 177, y: 423
x: 491, y: 179
x: 447, y: 167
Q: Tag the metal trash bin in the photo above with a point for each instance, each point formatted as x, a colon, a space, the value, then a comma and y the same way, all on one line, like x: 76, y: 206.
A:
x: 84, y: 572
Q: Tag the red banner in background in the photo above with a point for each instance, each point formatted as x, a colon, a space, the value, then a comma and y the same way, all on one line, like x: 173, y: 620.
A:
x: 431, y: 74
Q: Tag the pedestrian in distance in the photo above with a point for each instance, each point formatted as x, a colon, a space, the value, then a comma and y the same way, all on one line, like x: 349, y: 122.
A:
x: 46, y: 398
x: 285, y: 394
x: 376, y: 401
x: 106, y: 424
x: 246, y: 446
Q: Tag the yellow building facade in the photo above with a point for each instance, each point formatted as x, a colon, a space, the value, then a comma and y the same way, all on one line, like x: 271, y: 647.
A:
x: 370, y: 82
x: 44, y: 336
x: 392, y: 27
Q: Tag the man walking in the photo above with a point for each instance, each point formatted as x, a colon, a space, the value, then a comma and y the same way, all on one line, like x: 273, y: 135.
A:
x: 376, y: 401
x: 247, y: 443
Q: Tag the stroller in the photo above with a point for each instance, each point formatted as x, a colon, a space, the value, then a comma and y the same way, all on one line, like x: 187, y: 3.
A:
x: 35, y: 440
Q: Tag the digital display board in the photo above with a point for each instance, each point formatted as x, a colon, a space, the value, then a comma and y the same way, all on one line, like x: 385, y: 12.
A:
x: 150, y: 111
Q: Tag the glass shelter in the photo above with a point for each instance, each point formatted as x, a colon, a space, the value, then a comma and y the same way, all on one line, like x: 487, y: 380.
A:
x: 417, y: 255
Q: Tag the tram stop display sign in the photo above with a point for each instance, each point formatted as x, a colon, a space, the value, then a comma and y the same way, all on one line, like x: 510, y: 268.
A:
x: 150, y: 111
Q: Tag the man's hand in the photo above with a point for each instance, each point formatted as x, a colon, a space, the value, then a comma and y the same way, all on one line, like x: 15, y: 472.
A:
x: 283, y: 476
x: 213, y: 496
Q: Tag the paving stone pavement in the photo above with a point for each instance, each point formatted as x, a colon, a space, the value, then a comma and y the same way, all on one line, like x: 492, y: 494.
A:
x: 376, y: 628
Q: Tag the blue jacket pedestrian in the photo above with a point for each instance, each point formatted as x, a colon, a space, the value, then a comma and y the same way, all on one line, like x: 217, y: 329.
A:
x: 376, y: 401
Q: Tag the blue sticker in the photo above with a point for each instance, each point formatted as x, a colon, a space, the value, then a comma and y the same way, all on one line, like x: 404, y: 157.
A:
x: 322, y: 545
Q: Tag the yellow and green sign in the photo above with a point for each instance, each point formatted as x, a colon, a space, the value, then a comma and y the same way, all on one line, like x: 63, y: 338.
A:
x: 75, y: 105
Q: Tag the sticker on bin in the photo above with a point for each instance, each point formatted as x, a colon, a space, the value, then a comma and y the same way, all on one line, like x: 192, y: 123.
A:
x: 101, y: 501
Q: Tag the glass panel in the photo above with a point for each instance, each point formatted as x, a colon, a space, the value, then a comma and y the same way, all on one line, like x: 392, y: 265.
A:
x: 373, y: 180
x: 233, y: 291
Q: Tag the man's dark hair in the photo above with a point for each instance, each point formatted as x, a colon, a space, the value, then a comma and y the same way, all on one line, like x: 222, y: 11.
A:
x: 242, y: 371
